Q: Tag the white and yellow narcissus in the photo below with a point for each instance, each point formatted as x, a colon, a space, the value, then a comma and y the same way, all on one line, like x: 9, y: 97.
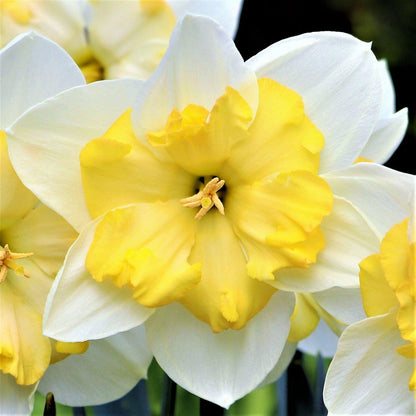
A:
x: 377, y: 355
x: 205, y: 195
x: 111, y: 38
x: 33, y: 243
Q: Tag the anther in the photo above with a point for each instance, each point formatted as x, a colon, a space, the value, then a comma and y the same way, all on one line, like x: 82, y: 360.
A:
x: 7, y: 258
x: 206, y: 198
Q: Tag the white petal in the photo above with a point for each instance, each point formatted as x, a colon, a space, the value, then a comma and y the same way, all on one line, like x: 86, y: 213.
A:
x: 200, y: 62
x: 386, y: 137
x: 367, y: 375
x: 380, y: 194
x: 79, y: 308
x: 345, y: 304
x: 322, y: 341
x: 388, y: 104
x: 348, y: 240
x: 108, y: 370
x: 32, y: 69
x: 44, y: 145
x: 338, y: 78
x: 225, y: 12
x: 15, y: 399
x: 58, y: 20
x: 284, y: 361
x: 225, y: 366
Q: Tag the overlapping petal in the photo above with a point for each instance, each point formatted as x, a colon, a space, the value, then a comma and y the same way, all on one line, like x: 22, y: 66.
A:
x: 226, y: 297
x: 348, y: 238
x: 338, y: 78
x: 181, y: 342
x: 60, y: 21
x: 146, y: 247
x: 109, y: 369
x: 371, y: 187
x: 357, y: 370
x: 27, y: 75
x: 15, y: 399
x: 196, y: 42
x: 104, y: 311
x: 69, y: 121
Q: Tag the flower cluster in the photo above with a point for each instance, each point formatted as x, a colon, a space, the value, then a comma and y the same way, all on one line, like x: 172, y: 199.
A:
x: 209, y: 215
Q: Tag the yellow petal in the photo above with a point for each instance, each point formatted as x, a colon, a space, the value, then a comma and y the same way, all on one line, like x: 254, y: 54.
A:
x: 408, y: 350
x: 18, y: 10
x: 303, y: 321
x: 24, y: 351
x: 146, y: 246
x: 264, y: 260
x: 406, y: 316
x: 226, y: 297
x: 281, y: 210
x: 200, y: 141
x: 395, y: 254
x: 72, y: 347
x: 118, y: 170
x: 378, y: 297
x: 15, y: 199
x: 280, y: 139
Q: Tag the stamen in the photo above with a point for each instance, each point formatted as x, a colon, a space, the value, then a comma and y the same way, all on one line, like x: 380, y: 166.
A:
x: 6, y: 262
x: 206, y: 198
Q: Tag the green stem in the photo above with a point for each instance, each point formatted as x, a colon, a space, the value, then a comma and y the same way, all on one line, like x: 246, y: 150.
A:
x: 169, y: 397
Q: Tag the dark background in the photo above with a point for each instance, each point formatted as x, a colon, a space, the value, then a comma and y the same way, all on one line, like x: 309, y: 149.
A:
x: 389, y: 24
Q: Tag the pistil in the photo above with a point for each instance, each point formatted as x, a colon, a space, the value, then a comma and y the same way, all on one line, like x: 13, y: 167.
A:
x: 206, y: 198
x: 7, y: 258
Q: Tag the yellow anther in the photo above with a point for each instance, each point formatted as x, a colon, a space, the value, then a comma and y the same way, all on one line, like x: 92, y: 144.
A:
x: 6, y: 262
x: 206, y: 198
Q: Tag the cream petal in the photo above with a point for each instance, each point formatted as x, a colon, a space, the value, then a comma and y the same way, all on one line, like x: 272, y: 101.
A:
x: 126, y: 39
x: 89, y: 379
x: 15, y: 399
x: 284, y: 360
x: 219, y: 367
x: 386, y: 137
x: 225, y: 12
x: 348, y: 239
x: 322, y: 341
x: 388, y: 105
x: 44, y: 233
x: 79, y: 308
x: 16, y: 200
x: 338, y: 78
x: 367, y: 361
x: 380, y: 194
x: 69, y: 121
x: 60, y: 20
x: 28, y: 76
x: 345, y: 304
x: 200, y: 62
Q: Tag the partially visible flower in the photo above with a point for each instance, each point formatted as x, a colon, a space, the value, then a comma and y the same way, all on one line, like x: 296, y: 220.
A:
x: 33, y: 243
x: 385, y: 343
x: 211, y: 194
x: 111, y: 38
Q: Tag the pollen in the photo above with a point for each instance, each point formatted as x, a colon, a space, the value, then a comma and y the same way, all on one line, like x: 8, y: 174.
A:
x: 206, y: 198
x: 7, y: 258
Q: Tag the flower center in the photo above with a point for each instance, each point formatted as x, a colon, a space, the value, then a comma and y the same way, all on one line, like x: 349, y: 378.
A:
x: 7, y: 258
x: 206, y: 198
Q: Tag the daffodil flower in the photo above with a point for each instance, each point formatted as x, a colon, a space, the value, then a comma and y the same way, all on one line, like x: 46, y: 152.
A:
x: 33, y: 243
x: 209, y: 194
x: 111, y: 39
x: 377, y: 355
